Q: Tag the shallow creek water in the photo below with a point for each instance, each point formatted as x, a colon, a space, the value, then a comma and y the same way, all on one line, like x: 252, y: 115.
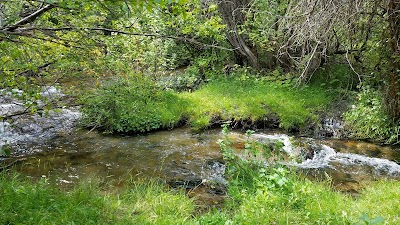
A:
x: 188, y: 159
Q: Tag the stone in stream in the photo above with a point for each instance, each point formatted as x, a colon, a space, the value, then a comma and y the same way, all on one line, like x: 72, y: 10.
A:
x: 208, y: 188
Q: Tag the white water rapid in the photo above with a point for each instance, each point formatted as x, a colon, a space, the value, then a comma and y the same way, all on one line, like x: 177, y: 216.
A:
x: 327, y: 157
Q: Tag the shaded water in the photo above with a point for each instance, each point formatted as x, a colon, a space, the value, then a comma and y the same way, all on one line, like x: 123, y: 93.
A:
x: 176, y: 154
x: 188, y: 159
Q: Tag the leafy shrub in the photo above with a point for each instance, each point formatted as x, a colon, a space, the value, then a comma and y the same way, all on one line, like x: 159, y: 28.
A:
x: 368, y: 120
x: 258, y: 168
x: 132, y: 104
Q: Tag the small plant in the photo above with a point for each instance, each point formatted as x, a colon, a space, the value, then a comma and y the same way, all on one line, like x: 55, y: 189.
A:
x: 370, y: 221
x: 5, y: 150
x: 257, y: 169
x: 190, y: 80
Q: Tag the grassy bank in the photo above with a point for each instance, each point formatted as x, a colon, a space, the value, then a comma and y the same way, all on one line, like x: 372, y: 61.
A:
x: 136, y: 104
x: 23, y: 202
x: 255, y: 100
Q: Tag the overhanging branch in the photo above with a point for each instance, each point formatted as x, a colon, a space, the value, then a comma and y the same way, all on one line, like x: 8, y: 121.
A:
x: 24, y: 31
x: 29, y: 18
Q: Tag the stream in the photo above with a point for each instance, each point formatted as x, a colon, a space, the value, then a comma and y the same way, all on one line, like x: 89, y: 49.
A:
x: 187, y: 159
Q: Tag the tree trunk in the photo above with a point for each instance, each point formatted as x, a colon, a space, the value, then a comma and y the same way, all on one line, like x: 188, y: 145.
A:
x: 232, y: 14
x: 393, y: 78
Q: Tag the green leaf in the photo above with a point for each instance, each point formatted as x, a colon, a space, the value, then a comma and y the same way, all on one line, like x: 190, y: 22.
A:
x: 377, y: 220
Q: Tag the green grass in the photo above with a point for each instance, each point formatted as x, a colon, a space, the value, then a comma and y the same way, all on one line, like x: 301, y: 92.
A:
x: 255, y: 100
x: 24, y: 202
x: 314, y: 203
x: 136, y: 104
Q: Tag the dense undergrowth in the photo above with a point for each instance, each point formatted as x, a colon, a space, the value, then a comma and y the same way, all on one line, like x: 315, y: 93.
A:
x: 260, y: 191
x: 367, y: 119
x: 138, y: 104
x: 132, y: 104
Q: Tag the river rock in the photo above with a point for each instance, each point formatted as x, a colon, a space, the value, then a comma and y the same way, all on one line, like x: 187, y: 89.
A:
x: 331, y: 127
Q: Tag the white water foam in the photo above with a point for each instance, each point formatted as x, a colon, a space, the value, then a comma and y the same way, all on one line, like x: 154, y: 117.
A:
x: 321, y: 159
x: 327, y: 157
x: 380, y: 165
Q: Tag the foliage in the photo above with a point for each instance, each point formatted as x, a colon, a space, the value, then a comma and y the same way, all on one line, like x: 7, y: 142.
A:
x: 189, y: 80
x: 336, y: 76
x: 137, y: 104
x: 5, y: 150
x: 257, y: 168
x: 262, y: 29
x: 365, y: 218
x: 132, y: 104
x: 367, y: 118
x: 100, y: 39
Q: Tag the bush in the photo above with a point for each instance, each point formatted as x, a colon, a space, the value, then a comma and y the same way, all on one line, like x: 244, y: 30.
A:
x: 132, y: 104
x: 368, y: 120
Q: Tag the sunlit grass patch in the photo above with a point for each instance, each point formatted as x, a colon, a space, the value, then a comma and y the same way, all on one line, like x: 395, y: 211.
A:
x: 232, y: 99
x: 26, y: 202
x: 136, y: 104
